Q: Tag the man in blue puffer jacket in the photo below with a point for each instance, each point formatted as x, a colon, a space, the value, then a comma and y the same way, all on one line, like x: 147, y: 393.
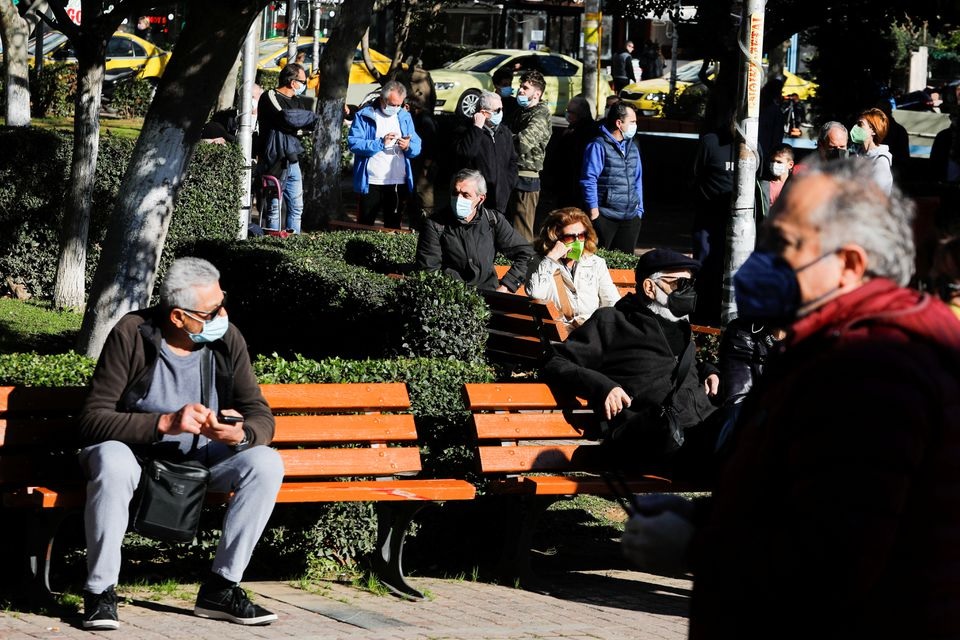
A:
x: 612, y: 181
x: 383, y: 140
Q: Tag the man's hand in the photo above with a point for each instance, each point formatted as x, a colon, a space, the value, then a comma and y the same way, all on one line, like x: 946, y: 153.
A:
x: 658, y: 538
x: 403, y: 143
x: 503, y: 289
x: 389, y: 139
x: 616, y: 401
x: 558, y: 251
x: 479, y: 120
x: 226, y: 433
x: 594, y: 213
x: 712, y: 385
x: 189, y: 419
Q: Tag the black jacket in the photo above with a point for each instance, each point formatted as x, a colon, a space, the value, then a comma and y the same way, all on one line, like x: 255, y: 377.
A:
x: 491, y: 152
x: 626, y: 346
x: 467, y: 251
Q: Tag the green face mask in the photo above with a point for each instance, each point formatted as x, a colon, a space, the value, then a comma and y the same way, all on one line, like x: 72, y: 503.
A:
x: 575, y: 250
x: 858, y: 134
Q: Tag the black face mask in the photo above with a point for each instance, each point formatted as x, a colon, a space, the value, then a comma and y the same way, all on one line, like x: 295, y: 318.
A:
x: 682, y: 302
x: 837, y: 154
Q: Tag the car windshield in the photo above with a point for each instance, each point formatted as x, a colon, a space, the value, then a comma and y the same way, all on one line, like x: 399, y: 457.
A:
x: 481, y: 62
x: 688, y: 72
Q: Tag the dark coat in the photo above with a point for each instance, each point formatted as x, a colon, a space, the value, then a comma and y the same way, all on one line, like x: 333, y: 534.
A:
x: 491, y: 152
x: 625, y: 346
x: 563, y: 162
x: 467, y: 251
x: 838, y: 512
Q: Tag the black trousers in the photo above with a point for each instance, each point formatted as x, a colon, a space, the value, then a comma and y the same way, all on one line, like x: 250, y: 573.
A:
x: 382, y: 199
x: 617, y: 234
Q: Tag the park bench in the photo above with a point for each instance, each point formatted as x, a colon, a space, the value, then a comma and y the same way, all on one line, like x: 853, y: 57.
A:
x: 539, y: 448
x: 339, y: 443
x: 350, y: 225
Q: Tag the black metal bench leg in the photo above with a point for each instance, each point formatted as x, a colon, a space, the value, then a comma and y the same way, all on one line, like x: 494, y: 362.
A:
x: 393, y: 521
x: 42, y: 532
x: 514, y: 565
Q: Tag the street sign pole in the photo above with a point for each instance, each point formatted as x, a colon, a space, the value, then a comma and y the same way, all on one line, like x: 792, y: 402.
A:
x: 591, y: 54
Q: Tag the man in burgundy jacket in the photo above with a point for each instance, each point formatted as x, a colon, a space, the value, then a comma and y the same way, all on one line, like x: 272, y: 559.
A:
x: 837, y: 512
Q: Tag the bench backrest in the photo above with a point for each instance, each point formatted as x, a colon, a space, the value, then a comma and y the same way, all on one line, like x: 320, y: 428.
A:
x: 524, y: 427
x: 323, y: 430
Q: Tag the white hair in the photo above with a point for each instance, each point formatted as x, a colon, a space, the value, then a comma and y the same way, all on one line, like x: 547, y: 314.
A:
x: 178, y: 288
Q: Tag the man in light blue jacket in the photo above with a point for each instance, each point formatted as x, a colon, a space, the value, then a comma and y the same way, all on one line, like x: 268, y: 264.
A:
x: 383, y: 140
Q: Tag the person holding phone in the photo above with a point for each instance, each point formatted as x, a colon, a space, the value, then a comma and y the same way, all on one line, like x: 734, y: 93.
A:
x: 383, y: 140
x: 175, y: 381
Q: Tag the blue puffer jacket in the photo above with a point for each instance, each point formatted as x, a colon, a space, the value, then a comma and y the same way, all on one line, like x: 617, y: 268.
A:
x: 363, y: 143
x: 612, y: 177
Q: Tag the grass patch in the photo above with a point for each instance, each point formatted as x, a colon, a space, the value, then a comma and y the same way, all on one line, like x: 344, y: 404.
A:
x: 162, y: 590
x: 32, y: 325
x: 120, y: 127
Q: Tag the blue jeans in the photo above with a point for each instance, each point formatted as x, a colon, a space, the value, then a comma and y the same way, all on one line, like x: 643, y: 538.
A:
x: 293, y: 196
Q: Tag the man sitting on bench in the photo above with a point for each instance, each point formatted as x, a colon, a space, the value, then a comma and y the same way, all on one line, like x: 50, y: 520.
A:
x: 624, y: 361
x: 167, y: 378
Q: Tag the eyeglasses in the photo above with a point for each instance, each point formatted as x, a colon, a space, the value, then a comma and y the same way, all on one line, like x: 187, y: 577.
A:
x: 210, y: 315
x: 570, y: 237
x: 302, y: 80
x: 493, y: 110
x: 677, y: 284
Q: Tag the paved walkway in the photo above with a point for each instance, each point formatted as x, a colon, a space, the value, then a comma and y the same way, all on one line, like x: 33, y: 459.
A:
x: 604, y: 605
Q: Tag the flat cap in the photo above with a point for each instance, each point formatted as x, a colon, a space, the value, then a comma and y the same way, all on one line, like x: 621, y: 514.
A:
x: 664, y: 260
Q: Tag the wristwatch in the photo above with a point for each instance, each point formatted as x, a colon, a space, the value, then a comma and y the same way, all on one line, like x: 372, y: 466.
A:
x: 244, y: 444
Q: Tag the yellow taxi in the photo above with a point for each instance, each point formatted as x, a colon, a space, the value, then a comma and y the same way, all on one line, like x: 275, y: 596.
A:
x: 124, y: 51
x: 272, y: 56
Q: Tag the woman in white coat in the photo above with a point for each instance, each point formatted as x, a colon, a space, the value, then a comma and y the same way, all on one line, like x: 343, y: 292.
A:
x: 567, y: 270
x: 869, y: 131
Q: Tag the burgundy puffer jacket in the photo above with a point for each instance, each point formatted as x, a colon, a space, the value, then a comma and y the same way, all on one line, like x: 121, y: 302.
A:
x: 838, y: 513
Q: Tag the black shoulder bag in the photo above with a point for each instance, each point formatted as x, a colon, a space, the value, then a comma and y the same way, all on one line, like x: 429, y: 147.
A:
x: 172, y: 493
x: 656, y: 430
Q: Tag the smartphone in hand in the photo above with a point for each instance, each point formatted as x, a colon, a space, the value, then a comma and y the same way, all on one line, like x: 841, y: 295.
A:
x: 222, y: 419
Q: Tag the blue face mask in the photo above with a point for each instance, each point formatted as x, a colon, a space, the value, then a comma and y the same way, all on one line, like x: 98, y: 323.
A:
x: 767, y: 289
x: 505, y: 91
x: 523, y: 101
x: 630, y: 131
x: 496, y: 118
x: 462, y: 206
x: 212, y: 330
x: 390, y: 110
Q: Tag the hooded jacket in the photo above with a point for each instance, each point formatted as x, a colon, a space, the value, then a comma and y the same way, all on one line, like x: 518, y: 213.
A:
x: 363, y: 143
x: 882, y: 166
x: 838, y: 511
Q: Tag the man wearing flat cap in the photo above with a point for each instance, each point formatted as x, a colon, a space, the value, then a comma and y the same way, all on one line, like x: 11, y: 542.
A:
x: 625, y: 358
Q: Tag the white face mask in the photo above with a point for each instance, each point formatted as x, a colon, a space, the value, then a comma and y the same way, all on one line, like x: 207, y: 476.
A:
x: 778, y: 168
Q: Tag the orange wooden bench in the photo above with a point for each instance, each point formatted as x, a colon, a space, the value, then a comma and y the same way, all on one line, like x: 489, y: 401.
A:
x: 539, y: 448
x: 339, y: 443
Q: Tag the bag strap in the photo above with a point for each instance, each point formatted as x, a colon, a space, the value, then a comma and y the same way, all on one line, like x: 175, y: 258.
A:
x: 565, y: 307
x: 206, y: 381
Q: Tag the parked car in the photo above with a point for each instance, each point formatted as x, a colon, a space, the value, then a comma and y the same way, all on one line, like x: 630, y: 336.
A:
x: 124, y: 51
x: 649, y: 96
x: 272, y: 56
x: 459, y: 84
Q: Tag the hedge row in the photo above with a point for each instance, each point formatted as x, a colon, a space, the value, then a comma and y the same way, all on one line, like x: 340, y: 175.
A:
x: 34, y: 173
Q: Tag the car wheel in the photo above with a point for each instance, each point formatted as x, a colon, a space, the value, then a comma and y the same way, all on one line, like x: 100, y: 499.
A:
x: 468, y: 103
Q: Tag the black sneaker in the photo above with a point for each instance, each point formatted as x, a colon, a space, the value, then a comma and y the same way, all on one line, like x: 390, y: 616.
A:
x: 230, y: 604
x: 100, y: 610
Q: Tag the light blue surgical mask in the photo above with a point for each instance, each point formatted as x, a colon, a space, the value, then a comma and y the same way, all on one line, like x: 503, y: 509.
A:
x: 496, y: 118
x: 630, y: 131
x: 390, y: 110
x: 462, y: 206
x: 523, y: 101
x: 213, y: 330
x: 299, y: 90
x: 505, y: 91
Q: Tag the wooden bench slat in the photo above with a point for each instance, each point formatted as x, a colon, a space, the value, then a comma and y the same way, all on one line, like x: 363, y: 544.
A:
x: 515, y: 396
x: 332, y: 397
x: 373, y: 490
x: 321, y: 463
x: 530, y: 426
x: 38, y: 400
x: 22, y: 432
x: 574, y: 485
x: 398, y: 427
x: 494, y: 459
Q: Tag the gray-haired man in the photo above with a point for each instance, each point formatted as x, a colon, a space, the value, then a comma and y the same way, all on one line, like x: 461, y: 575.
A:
x: 147, y: 395
x: 487, y: 146
x: 463, y: 239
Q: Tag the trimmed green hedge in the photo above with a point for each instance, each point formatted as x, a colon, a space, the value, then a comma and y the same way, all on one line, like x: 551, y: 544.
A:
x: 34, y: 172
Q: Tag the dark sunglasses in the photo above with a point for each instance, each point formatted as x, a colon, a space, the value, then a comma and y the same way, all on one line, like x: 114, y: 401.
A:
x: 570, y: 237
x: 678, y: 284
x: 210, y: 315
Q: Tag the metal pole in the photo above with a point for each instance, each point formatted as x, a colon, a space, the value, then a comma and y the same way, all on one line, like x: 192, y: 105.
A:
x: 674, y: 48
x: 317, y: 13
x: 741, y: 231
x: 591, y: 53
x: 247, y: 122
x: 292, y: 28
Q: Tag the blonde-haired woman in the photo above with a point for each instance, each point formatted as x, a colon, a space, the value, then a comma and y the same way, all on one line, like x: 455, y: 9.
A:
x: 567, y: 270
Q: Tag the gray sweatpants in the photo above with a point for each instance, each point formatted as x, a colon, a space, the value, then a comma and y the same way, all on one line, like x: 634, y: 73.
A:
x: 113, y: 473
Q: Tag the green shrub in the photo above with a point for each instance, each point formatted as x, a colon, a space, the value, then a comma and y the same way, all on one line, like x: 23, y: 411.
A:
x: 267, y: 79
x: 380, y: 252
x: 618, y: 259
x: 53, y: 89
x: 132, y: 97
x: 35, y: 370
x: 34, y: 172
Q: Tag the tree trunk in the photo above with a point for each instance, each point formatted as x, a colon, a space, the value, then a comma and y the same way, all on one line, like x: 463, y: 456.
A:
x: 228, y: 92
x: 68, y: 290
x: 324, y: 199
x: 13, y: 34
x: 131, y: 253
